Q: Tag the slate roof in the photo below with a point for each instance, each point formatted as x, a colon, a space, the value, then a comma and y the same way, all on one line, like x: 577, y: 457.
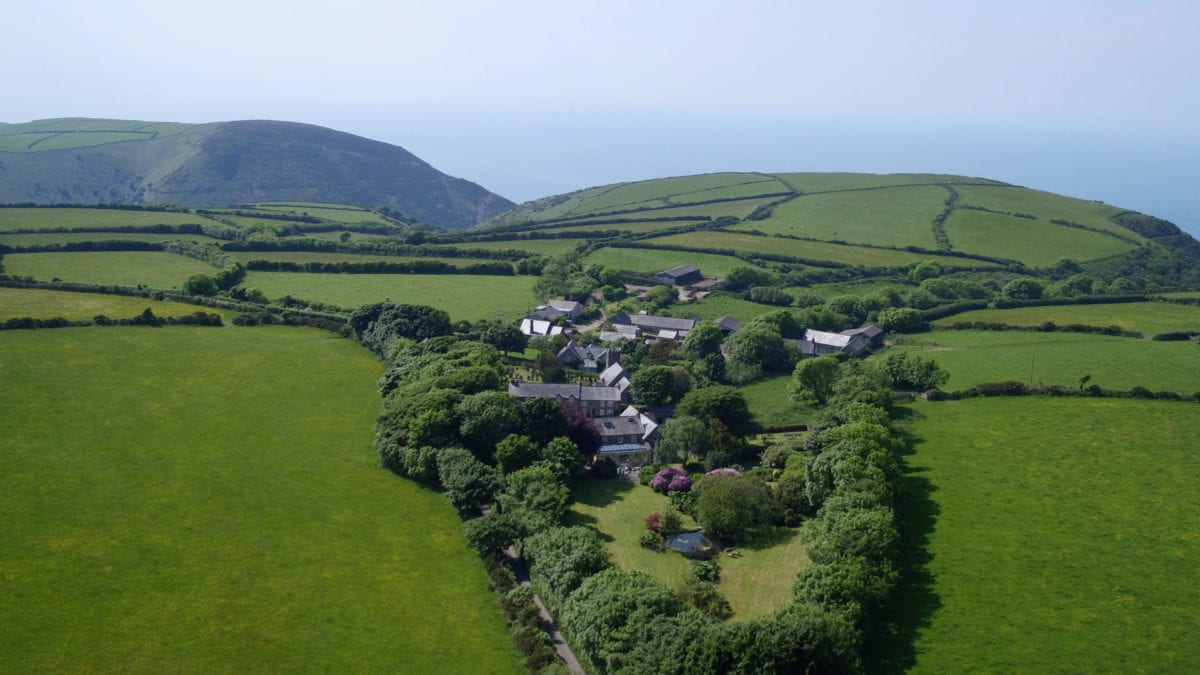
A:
x: 657, y: 323
x: 563, y: 390
x: 728, y: 323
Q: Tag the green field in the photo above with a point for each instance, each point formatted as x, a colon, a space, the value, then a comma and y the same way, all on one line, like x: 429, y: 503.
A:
x: 46, y: 304
x: 538, y: 246
x: 892, y: 217
x: 637, y: 227
x: 50, y: 218
x: 1033, y: 242
x: 757, y: 583
x: 1046, y: 206
x: 46, y: 238
x: 470, y: 297
x: 1058, y: 538
x: 1148, y: 318
x: 737, y: 209
x: 657, y: 260
x: 333, y: 257
x: 337, y: 213
x: 718, y: 305
x: 652, y: 193
x: 207, y: 500
x: 856, y: 287
x: 79, y: 133
x: 972, y: 357
x: 810, y: 250
x: 119, y: 268
x: 825, y: 182
x: 768, y: 399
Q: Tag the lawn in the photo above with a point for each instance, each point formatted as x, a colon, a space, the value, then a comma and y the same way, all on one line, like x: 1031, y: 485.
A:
x: 46, y: 238
x: 768, y: 399
x: 464, y: 296
x: 46, y: 304
x: 1148, y: 318
x: 900, y: 216
x: 657, y: 260
x: 1033, y: 242
x: 972, y: 357
x: 207, y: 500
x: 1057, y: 537
x: 119, y: 268
x: 50, y: 218
x: 756, y: 584
x: 810, y: 250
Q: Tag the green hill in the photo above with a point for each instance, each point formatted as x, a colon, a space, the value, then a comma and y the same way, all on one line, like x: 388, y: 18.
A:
x: 90, y: 161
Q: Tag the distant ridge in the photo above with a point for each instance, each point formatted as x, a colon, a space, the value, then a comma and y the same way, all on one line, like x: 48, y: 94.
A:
x: 89, y: 161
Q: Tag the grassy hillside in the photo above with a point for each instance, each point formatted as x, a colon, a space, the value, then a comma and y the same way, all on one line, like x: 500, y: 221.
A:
x: 208, y: 500
x: 88, y: 161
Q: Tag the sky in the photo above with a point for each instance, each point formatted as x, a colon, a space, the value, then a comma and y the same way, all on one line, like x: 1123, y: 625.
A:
x: 1094, y: 99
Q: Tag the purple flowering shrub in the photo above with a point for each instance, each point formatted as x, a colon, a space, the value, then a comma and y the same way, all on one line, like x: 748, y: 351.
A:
x: 671, y: 479
x: 725, y: 470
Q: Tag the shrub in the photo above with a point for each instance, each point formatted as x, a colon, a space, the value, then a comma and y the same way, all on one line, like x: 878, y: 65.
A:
x: 670, y: 524
x: 652, y: 522
x: 652, y: 541
x: 670, y: 479
x: 647, y: 474
x: 707, y: 570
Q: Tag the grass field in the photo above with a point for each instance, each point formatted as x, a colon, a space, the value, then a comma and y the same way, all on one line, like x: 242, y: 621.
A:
x: 337, y: 213
x: 1037, y: 243
x: 46, y: 238
x: 44, y: 304
x: 1148, y: 318
x: 651, y: 192
x: 1057, y: 538
x: 892, y: 217
x: 657, y: 260
x: 120, y: 268
x: 972, y: 357
x: 638, y: 227
x: 738, y: 209
x: 718, y: 305
x: 825, y: 182
x: 464, y: 296
x: 207, y: 500
x: 811, y: 250
x: 43, y: 219
x: 755, y: 584
x: 1046, y: 206
x: 768, y: 399
x: 538, y: 246
x: 856, y: 287
x: 321, y: 256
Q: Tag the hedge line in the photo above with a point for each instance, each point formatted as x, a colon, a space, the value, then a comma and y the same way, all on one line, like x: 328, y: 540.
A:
x: 1046, y: 327
x: 146, y: 318
x: 381, y: 267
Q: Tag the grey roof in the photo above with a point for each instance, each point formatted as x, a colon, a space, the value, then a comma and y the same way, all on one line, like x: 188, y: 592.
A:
x: 565, y: 305
x: 618, y: 426
x: 657, y: 323
x: 865, y: 331
x: 564, y: 390
x: 728, y: 323
x: 624, y: 449
x: 612, y: 374
x: 614, y: 336
x: 825, y: 338
x: 679, y: 271
x: 591, y: 353
x: 628, y: 329
x: 539, y: 327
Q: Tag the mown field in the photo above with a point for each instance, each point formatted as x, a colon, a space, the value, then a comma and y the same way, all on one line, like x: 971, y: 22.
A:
x: 120, y: 268
x: 539, y: 246
x: 663, y: 191
x: 1148, y: 318
x: 43, y: 219
x: 40, y: 303
x: 207, y: 500
x: 1036, y: 243
x: 470, y: 297
x: 1058, y: 537
x: 972, y: 357
x: 632, y: 226
x: 657, y: 260
x: 757, y: 583
x: 718, y: 305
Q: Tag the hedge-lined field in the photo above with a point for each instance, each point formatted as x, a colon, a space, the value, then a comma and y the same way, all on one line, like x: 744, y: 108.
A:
x: 120, y: 268
x: 41, y: 303
x: 1061, y: 537
x: 1148, y: 318
x: 470, y: 297
x: 47, y: 238
x: 1046, y: 206
x: 50, y: 218
x: 810, y: 250
x: 1036, y: 243
x: 651, y: 260
x: 335, y: 257
x: 203, y: 500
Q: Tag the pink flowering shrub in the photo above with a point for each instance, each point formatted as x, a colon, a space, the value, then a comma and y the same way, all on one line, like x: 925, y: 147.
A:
x: 671, y: 479
x: 726, y: 470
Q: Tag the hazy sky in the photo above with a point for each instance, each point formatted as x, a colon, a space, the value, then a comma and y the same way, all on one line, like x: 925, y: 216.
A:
x: 1095, y: 99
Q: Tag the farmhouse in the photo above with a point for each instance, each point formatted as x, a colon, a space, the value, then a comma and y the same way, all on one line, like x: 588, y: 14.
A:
x: 676, y: 329
x: 872, y: 335
x: 592, y: 358
x: 554, y: 309
x: 538, y: 327
x: 821, y: 343
x: 677, y: 276
x: 592, y: 400
x: 629, y: 436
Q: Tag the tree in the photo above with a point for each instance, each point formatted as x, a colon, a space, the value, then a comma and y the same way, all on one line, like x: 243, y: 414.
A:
x: 541, y: 419
x: 504, y: 337
x: 723, y: 447
x: 785, y: 322
x: 537, y: 492
x: 911, y: 371
x: 560, y: 558
x: 653, y: 385
x: 200, y: 284
x: 770, y: 295
x: 565, y: 453
x: 1023, y: 288
x: 469, y: 483
x: 721, y: 402
x: 728, y: 505
x: 849, y: 306
x: 753, y: 349
x: 704, y: 339
x: 378, y: 325
x: 609, y: 610
x: 680, y: 438
x: 582, y: 432
x: 487, y: 417
x: 901, y: 320
x: 926, y: 269
x: 433, y: 427
x: 813, y: 379
x: 660, y: 296
x: 515, y: 452
x: 493, y: 532
x: 740, y: 278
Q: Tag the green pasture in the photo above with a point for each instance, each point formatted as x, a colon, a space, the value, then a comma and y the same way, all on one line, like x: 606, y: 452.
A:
x: 79, y: 133
x: 657, y: 260
x: 463, y: 296
x: 763, y: 186
x: 1033, y: 242
x: 41, y: 303
x: 47, y: 238
x: 737, y: 209
x: 116, y: 268
x: 768, y: 400
x: 549, y: 247
x: 207, y: 500
x: 718, y: 305
x: 900, y: 216
x: 335, y: 257
x: 548, y: 208
x: 757, y: 583
x: 50, y: 218
x: 336, y: 235
x: 1148, y: 318
x: 64, y: 141
x: 21, y: 142
x: 1052, y: 535
x: 855, y: 287
x: 1046, y: 206
x: 653, y: 192
x: 337, y: 213
x: 827, y: 182
x: 812, y: 250
x: 972, y: 357
x: 638, y: 227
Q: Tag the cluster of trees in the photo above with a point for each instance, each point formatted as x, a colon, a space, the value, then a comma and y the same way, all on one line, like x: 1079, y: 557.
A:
x: 146, y: 318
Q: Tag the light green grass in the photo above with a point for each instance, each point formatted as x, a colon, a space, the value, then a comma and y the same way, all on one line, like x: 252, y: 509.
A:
x: 856, y: 287
x: 337, y: 213
x: 652, y: 192
x: 86, y: 139
x: 46, y: 304
x: 463, y: 296
x: 972, y: 357
x: 537, y: 246
x: 811, y: 250
x: 756, y: 584
x: 333, y: 257
x: 891, y: 217
x: 1046, y: 206
x: 824, y: 182
x: 1036, y: 243
x: 657, y: 260
x: 1062, y: 536
x: 638, y: 227
x: 1148, y: 318
x: 718, y: 305
x: 738, y: 209
x: 49, y: 218
x: 768, y: 400
x: 21, y: 142
x: 207, y: 500
x: 119, y: 268
x: 43, y: 239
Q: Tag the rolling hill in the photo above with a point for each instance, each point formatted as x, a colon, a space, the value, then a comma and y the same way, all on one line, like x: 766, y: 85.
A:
x: 91, y: 161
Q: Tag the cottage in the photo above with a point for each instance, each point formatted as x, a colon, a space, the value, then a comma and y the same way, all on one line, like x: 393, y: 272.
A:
x: 594, y: 401
x: 591, y: 358
x: 539, y: 327
x: 553, y: 309
x: 872, y: 335
x: 629, y: 436
x: 677, y: 276
x: 615, y: 376
x: 824, y: 343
